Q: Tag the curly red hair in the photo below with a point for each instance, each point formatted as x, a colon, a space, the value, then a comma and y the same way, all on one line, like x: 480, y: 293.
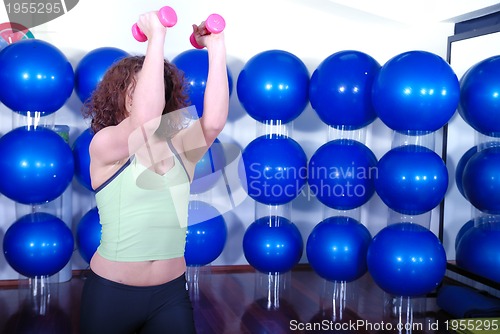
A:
x: 106, y: 106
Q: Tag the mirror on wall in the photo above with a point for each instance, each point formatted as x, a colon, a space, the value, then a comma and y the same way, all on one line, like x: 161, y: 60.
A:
x: 464, y: 51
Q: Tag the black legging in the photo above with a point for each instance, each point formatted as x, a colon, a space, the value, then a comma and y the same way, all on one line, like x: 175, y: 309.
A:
x: 113, y: 308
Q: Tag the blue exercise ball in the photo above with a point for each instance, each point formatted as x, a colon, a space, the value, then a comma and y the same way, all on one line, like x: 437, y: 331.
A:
x: 37, y: 165
x: 91, y: 69
x: 470, y: 224
x: 340, y: 90
x: 480, y: 96
x: 337, y: 248
x: 81, y: 156
x: 40, y: 78
x: 411, y: 179
x: 406, y: 259
x: 209, y: 168
x: 341, y: 174
x: 274, y: 169
x: 88, y: 234
x: 272, y: 244
x: 479, y: 250
x: 416, y: 91
x: 459, y: 172
x: 481, y: 180
x: 38, y: 244
x: 464, y: 159
x: 206, y: 234
x: 194, y: 65
x: 274, y: 86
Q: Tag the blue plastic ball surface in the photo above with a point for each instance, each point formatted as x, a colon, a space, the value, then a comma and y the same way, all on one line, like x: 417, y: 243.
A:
x: 194, y: 65
x: 459, y: 172
x: 88, y: 234
x: 275, y: 169
x: 479, y: 250
x: 274, y: 86
x: 480, y: 96
x: 416, y: 91
x: 406, y: 259
x: 38, y: 244
x: 206, y: 234
x: 464, y: 159
x: 272, y: 244
x: 481, y: 180
x: 92, y: 67
x: 337, y: 248
x: 341, y: 174
x: 37, y: 165
x: 411, y: 179
x: 38, y: 75
x: 470, y: 224
x: 340, y: 90
x: 81, y: 158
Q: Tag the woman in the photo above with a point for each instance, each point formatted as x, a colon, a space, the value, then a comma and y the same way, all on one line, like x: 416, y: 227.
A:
x: 142, y: 161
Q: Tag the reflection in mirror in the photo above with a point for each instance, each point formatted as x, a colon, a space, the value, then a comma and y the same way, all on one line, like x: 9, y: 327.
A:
x: 461, y: 143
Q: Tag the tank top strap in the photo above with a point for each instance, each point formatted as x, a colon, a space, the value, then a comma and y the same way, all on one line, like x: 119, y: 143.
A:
x: 177, y: 155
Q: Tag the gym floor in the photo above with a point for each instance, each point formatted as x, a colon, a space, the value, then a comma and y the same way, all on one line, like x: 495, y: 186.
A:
x: 237, y: 300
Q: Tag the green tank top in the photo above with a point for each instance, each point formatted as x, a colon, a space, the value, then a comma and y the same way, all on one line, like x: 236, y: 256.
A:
x: 143, y: 214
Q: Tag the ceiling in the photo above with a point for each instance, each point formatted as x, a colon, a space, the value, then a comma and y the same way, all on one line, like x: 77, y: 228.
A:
x: 421, y: 11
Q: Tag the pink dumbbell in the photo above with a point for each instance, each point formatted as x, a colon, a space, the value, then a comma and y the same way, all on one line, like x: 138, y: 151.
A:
x: 167, y: 17
x: 214, y: 24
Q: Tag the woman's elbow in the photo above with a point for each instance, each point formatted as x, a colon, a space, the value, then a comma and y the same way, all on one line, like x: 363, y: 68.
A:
x: 212, y: 132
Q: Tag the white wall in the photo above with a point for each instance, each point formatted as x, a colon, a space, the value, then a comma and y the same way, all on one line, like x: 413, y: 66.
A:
x: 308, y: 29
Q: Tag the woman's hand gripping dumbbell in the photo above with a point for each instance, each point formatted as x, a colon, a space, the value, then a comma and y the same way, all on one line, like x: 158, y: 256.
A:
x: 167, y: 17
x: 214, y: 24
